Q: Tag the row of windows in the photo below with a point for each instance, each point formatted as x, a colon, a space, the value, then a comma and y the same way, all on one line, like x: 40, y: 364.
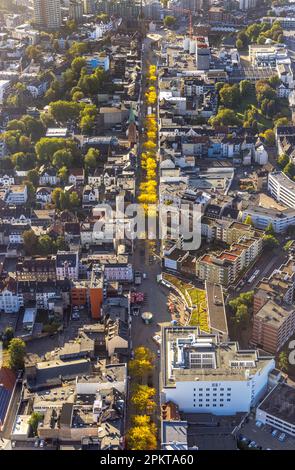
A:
x: 214, y: 389
x: 214, y: 399
x: 207, y: 406
x: 213, y: 394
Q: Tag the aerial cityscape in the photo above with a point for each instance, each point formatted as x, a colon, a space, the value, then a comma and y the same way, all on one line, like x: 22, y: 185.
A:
x: 147, y: 225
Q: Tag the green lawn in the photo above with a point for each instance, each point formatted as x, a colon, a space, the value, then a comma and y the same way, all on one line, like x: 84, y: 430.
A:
x: 195, y: 297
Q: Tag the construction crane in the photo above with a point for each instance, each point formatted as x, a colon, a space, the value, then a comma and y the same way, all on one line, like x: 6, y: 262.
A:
x: 190, y: 15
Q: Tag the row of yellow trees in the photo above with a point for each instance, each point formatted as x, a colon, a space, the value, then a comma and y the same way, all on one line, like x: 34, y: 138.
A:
x: 148, y: 187
x: 142, y: 435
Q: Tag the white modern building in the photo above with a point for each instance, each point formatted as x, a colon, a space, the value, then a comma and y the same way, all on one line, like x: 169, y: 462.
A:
x: 282, y: 188
x: 201, y: 375
x: 277, y: 409
x: 262, y: 217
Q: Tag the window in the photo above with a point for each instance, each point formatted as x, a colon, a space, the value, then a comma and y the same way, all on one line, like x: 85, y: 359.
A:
x: 214, y: 399
x: 228, y: 399
x: 208, y: 399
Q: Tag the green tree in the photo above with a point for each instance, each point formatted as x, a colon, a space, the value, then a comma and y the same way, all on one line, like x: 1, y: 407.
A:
x: 269, y: 241
x: 30, y: 241
x: 34, y: 52
x: 91, y: 157
x: 289, y: 170
x: 281, y: 122
x: 56, y: 197
x: 60, y: 244
x: 225, y: 117
x: 7, y: 336
x: 74, y: 200
x: 283, y: 362
x: 169, y: 21
x: 78, y: 49
x: 239, y: 44
x: 248, y: 220
x: 269, y: 229
x: 283, y: 160
x: 246, y: 88
x: 45, y: 245
x: 77, y: 65
x: 33, y: 177
x: 17, y: 352
x: 63, y: 174
x: 62, y: 158
x: 269, y: 137
x: 35, y: 419
x: 62, y: 110
x: 242, y: 315
x: 229, y: 95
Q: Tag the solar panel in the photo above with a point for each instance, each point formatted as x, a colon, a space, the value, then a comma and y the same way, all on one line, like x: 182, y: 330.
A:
x: 4, y: 401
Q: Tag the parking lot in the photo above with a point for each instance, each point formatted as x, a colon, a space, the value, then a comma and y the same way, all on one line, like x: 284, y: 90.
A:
x: 263, y: 437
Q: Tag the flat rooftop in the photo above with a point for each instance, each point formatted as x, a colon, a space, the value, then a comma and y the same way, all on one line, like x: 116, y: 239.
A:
x: 274, y: 314
x: 224, y: 361
x: 215, y: 306
x: 280, y: 403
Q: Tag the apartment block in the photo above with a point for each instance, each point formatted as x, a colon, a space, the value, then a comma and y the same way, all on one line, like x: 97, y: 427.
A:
x: 224, y: 268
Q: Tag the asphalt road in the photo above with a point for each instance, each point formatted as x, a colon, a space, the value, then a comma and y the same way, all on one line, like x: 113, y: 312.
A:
x: 267, y: 263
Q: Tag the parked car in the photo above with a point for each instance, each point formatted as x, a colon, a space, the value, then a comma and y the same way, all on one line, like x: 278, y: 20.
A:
x: 274, y: 432
x: 282, y: 437
x: 252, y: 444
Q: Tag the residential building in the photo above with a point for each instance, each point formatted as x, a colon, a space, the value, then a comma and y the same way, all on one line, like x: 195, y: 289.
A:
x: 122, y: 272
x: 89, y: 7
x: 247, y: 4
x: 225, y: 267
x: 16, y: 194
x: 76, y: 10
x: 282, y: 188
x: 96, y: 292
x: 202, y: 375
x: 273, y: 325
x: 67, y: 265
x: 47, y: 14
x: 10, y: 299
